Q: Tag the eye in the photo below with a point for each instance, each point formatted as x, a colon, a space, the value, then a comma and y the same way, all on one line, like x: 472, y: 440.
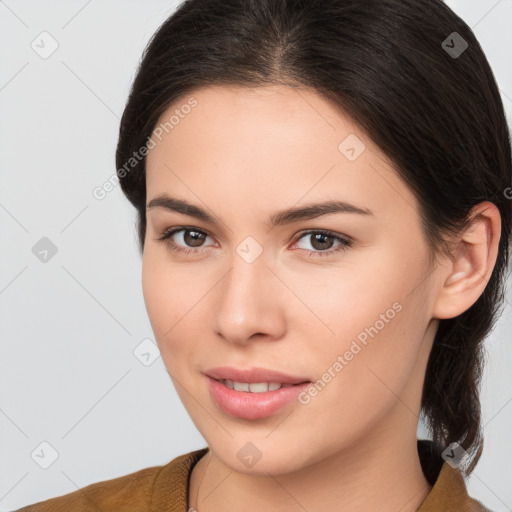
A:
x: 322, y: 240
x: 192, y: 239
x: 192, y: 236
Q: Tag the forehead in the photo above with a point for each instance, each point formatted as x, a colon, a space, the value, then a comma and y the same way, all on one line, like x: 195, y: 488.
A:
x: 274, y: 144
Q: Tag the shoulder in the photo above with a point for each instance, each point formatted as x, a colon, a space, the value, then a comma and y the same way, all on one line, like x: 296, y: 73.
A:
x: 141, y: 489
x: 106, y: 495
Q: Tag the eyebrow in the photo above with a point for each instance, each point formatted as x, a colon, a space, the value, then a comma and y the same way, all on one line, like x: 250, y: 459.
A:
x: 283, y: 217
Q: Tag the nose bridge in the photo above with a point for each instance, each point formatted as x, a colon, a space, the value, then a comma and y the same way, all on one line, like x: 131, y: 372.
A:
x: 248, y: 302
x: 246, y: 274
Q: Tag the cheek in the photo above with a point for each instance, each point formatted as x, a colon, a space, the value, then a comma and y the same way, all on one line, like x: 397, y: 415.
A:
x: 369, y: 318
x: 164, y: 296
x: 343, y: 303
x: 174, y: 306
x: 155, y: 296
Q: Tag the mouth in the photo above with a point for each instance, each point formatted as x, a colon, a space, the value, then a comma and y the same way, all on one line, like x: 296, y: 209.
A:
x: 253, y: 394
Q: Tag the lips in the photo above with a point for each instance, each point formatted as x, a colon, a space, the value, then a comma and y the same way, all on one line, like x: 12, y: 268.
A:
x: 253, y: 375
x: 253, y: 406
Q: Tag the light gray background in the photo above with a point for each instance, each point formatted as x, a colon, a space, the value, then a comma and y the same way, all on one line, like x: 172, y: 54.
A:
x: 69, y: 327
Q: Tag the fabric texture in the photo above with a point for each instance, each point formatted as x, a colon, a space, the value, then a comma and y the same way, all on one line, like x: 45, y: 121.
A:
x: 165, y: 488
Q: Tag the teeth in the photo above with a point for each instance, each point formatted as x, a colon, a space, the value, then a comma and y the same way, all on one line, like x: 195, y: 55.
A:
x: 241, y: 386
x: 253, y: 387
x: 228, y: 383
x: 258, y: 387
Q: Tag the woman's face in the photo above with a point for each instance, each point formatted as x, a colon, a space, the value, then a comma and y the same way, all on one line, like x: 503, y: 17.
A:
x: 355, y: 319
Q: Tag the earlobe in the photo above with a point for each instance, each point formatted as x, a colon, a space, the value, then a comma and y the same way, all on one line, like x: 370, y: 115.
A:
x: 472, y: 264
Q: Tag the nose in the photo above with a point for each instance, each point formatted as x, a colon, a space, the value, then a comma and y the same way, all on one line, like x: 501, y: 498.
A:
x: 249, y: 303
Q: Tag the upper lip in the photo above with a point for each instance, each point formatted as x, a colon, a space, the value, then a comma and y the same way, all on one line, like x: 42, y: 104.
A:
x: 252, y: 375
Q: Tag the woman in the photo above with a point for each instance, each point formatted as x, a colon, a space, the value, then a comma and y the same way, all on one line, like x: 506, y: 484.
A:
x: 323, y: 198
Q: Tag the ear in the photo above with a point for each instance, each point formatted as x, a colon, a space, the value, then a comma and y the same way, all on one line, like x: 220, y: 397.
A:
x: 470, y: 268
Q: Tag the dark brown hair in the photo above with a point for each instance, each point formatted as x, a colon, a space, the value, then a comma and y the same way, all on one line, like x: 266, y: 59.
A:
x: 393, y: 67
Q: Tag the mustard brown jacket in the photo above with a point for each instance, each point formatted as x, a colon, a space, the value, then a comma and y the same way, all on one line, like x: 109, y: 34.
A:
x: 165, y: 488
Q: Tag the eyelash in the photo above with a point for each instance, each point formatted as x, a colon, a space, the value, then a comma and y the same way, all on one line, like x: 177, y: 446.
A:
x: 345, y: 242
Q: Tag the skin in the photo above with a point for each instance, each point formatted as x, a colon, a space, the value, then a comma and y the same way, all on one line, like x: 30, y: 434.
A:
x: 244, y: 154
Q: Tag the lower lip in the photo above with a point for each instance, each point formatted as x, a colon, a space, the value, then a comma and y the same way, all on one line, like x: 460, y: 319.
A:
x: 252, y: 406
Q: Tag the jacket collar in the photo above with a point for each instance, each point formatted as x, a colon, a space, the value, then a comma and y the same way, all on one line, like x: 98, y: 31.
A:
x: 449, y: 490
